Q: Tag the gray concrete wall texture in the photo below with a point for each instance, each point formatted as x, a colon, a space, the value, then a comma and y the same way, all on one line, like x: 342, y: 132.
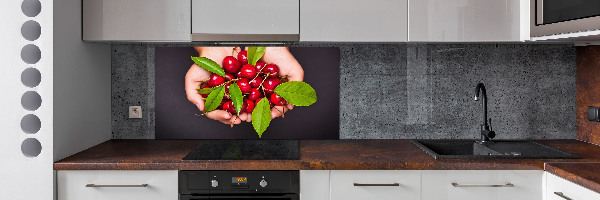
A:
x: 406, y: 91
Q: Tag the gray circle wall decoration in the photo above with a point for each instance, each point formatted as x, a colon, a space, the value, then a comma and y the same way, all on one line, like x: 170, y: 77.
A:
x: 31, y: 30
x: 31, y: 147
x: 31, y: 54
x: 31, y: 100
x: 31, y: 77
x: 31, y: 8
x: 31, y: 124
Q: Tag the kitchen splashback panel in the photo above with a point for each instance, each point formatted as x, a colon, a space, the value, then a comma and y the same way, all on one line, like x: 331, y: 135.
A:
x: 397, y: 91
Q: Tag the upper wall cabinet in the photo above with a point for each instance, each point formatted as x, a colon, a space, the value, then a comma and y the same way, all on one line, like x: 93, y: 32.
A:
x: 468, y: 20
x: 244, y: 20
x: 137, y: 20
x: 353, y: 20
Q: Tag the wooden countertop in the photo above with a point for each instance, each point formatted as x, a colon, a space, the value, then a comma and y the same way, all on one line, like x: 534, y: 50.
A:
x: 314, y: 155
x: 332, y: 155
x: 581, y: 173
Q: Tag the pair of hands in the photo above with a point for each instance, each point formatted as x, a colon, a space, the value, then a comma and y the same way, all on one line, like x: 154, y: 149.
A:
x: 281, y: 56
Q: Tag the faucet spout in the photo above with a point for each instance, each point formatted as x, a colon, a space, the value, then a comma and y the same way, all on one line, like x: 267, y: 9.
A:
x: 486, y: 133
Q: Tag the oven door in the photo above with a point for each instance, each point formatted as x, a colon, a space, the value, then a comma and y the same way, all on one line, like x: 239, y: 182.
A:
x: 552, y: 17
x: 236, y: 197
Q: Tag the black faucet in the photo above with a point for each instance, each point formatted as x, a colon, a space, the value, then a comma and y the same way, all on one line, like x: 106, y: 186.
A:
x: 486, y: 129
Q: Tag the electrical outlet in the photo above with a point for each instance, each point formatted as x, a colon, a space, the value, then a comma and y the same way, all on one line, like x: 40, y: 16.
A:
x: 135, y: 112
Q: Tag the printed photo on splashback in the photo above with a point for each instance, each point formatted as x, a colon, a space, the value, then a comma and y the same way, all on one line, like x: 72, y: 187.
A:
x: 252, y: 92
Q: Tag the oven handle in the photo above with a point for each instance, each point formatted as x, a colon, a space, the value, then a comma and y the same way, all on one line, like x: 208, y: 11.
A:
x: 191, y: 197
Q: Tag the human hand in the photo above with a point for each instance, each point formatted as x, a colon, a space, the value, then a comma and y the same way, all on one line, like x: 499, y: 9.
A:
x: 197, y: 75
x: 288, y: 66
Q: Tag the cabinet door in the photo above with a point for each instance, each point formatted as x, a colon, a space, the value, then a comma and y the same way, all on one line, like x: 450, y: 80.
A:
x: 468, y: 20
x: 314, y: 184
x: 379, y: 185
x: 482, y: 184
x: 243, y: 20
x: 136, y: 20
x: 354, y: 20
x: 561, y: 189
x: 117, y: 185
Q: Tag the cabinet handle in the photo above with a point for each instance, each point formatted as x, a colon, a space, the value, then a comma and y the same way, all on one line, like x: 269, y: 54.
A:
x: 94, y: 185
x: 505, y: 185
x: 560, y: 194
x: 363, y: 184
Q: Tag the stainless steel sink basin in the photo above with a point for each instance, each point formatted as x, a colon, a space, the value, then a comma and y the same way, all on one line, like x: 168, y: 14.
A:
x: 493, y: 149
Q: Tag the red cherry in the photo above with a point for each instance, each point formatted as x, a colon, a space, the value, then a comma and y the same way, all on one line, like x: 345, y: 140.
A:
x: 254, y: 94
x: 243, y: 57
x: 249, y: 105
x: 227, y: 105
x: 256, y: 82
x: 244, y: 85
x: 270, y: 103
x: 239, y: 74
x: 205, y: 95
x: 227, y: 87
x: 277, y: 100
x: 248, y: 71
x: 222, y: 103
x: 271, y: 69
x: 270, y: 84
x: 229, y: 77
x: 231, y: 107
x: 231, y: 65
x: 259, y: 65
x: 215, y: 80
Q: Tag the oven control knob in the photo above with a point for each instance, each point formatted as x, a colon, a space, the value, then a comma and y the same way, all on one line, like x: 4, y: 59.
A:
x: 214, y: 183
x: 263, y: 183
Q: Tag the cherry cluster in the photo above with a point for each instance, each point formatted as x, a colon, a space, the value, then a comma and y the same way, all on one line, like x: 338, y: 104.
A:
x: 255, y: 81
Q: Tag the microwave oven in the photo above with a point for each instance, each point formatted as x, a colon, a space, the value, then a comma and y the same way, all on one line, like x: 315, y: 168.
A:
x: 570, y: 18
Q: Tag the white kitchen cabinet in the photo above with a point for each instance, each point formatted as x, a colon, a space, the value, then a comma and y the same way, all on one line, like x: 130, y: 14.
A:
x: 482, y: 184
x: 561, y: 189
x: 314, y: 184
x: 117, y: 185
x: 242, y: 20
x: 354, y: 20
x: 136, y: 20
x: 378, y: 184
x: 468, y: 20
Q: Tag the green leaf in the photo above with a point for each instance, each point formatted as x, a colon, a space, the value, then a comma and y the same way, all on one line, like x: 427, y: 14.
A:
x: 261, y: 116
x: 236, y: 97
x: 205, y: 90
x: 297, y: 93
x: 214, y: 99
x: 255, y: 53
x: 209, y: 65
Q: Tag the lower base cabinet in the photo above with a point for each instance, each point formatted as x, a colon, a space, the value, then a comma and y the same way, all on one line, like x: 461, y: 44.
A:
x: 482, y: 184
x: 375, y: 185
x: 560, y: 189
x: 117, y: 185
x: 314, y: 185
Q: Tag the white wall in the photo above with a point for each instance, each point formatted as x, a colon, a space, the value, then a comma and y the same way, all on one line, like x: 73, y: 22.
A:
x: 74, y: 88
x: 82, y: 84
x: 24, y: 177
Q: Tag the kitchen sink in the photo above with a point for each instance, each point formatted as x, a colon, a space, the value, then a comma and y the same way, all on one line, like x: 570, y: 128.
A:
x: 440, y: 149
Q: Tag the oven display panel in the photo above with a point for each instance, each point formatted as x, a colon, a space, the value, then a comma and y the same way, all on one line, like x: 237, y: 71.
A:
x: 239, y: 180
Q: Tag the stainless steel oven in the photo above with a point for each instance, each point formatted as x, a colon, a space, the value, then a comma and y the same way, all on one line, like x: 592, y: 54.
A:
x: 554, y: 17
x: 235, y: 185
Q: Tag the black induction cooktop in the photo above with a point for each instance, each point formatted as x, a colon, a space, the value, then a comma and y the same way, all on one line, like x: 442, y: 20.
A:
x: 245, y: 150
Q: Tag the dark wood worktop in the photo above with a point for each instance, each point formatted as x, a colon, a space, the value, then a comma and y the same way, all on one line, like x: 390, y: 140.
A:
x: 314, y: 155
x: 581, y: 173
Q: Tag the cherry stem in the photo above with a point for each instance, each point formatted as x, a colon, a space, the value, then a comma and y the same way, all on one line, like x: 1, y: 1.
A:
x: 234, y: 50
x: 234, y: 120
